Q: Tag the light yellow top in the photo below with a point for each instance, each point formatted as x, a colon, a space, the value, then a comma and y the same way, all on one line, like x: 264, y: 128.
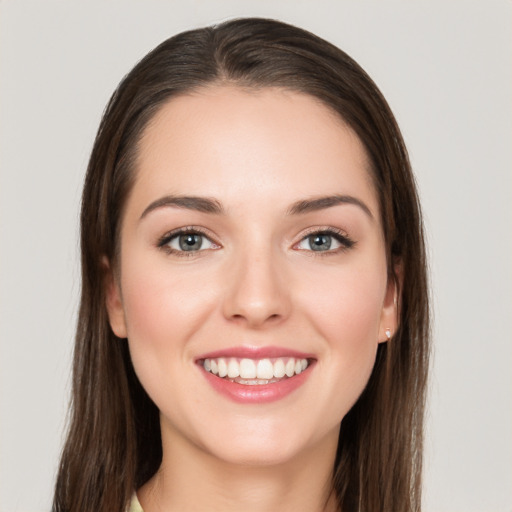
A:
x: 134, y: 504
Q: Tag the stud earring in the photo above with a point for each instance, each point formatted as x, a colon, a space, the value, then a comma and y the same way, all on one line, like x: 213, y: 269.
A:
x: 388, y: 334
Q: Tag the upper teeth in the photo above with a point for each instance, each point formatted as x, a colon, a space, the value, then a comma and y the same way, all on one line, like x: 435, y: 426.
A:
x: 255, y: 368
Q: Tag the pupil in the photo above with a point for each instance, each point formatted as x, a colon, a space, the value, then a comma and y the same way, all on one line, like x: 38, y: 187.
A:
x: 320, y: 242
x: 190, y: 242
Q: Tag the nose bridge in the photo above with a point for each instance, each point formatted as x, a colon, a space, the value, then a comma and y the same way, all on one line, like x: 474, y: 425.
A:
x: 256, y: 292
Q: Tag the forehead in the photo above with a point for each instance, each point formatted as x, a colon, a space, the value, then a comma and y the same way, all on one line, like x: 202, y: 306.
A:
x: 236, y: 144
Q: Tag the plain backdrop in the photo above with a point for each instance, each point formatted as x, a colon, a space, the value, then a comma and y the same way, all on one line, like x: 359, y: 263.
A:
x: 445, y: 68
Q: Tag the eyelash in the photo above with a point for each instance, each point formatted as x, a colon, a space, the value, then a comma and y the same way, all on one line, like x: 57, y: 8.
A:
x: 341, y: 237
x: 188, y: 230
x: 337, y: 234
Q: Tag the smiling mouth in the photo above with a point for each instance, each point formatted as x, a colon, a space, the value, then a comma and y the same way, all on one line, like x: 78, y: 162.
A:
x: 255, y: 372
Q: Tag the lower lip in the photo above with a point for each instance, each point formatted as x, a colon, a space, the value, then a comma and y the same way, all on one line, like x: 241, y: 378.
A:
x: 258, y: 393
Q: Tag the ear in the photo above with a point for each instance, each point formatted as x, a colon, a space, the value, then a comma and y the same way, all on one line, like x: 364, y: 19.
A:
x: 113, y: 300
x: 389, y: 319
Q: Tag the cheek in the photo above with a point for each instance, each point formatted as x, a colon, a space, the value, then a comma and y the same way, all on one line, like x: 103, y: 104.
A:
x: 163, y: 308
x: 346, y: 302
x: 347, y: 314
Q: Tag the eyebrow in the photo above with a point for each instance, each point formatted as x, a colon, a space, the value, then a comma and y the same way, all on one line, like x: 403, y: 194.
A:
x: 199, y: 204
x: 320, y: 203
x: 211, y: 205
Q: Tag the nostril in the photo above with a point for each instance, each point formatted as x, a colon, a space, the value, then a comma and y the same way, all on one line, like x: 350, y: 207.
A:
x: 255, y: 319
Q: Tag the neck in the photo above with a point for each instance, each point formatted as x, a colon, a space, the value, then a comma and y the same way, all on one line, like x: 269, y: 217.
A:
x: 191, y: 479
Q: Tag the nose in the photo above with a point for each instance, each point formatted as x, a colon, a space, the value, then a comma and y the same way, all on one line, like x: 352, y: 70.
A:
x: 257, y: 291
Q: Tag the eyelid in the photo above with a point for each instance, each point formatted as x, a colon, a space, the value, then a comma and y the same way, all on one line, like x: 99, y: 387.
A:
x: 338, y: 234
x: 164, y: 240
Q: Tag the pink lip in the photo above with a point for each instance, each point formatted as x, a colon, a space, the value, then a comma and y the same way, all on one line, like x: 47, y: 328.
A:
x: 257, y: 394
x: 250, y: 352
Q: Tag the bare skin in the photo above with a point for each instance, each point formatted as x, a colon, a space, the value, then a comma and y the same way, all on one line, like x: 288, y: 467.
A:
x: 217, y: 486
x: 289, y: 254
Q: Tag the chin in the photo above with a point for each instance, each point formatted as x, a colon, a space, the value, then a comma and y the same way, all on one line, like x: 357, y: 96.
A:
x: 266, y: 443
x: 262, y: 454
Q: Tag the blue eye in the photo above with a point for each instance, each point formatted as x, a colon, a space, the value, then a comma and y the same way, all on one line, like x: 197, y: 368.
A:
x: 189, y: 242
x: 320, y: 242
x: 325, y: 241
x: 186, y: 241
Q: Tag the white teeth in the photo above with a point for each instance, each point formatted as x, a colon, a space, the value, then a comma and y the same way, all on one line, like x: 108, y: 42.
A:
x: 264, y: 370
x: 254, y: 372
x: 223, y: 367
x: 247, y: 369
x: 254, y: 382
x: 279, y: 368
x: 233, y: 369
x: 290, y: 368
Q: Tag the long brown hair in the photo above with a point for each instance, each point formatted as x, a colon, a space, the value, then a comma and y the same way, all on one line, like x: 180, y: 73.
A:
x: 113, y: 445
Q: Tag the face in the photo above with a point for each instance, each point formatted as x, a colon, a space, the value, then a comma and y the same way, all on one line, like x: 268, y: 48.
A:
x: 253, y: 285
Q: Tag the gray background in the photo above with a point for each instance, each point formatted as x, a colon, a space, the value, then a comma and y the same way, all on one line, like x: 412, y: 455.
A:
x: 445, y: 68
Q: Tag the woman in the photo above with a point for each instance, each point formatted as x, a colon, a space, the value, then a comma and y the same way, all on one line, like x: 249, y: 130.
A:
x: 253, y: 330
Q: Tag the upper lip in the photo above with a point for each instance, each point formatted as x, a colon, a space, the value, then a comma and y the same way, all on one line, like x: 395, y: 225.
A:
x: 252, y: 352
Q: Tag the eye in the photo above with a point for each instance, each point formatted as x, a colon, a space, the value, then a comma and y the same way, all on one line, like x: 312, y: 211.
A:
x: 325, y: 241
x: 186, y: 241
